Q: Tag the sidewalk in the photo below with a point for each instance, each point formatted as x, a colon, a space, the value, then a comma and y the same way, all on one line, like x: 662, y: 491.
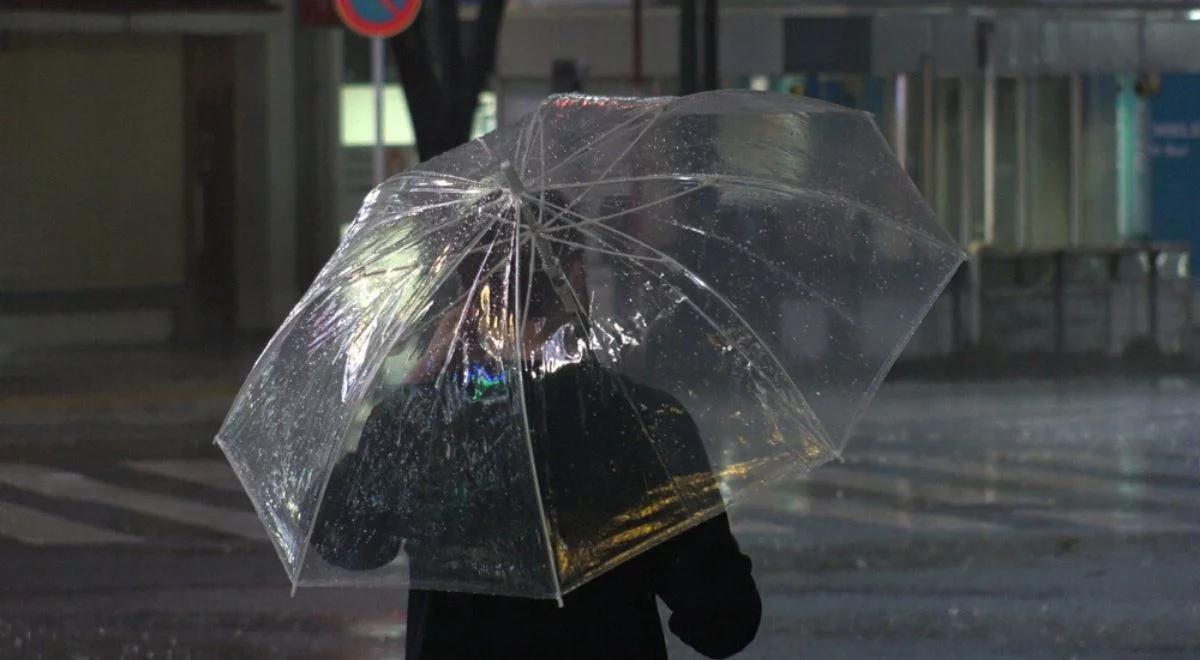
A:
x: 142, y: 402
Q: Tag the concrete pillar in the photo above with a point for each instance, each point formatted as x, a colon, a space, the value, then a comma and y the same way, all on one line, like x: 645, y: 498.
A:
x: 266, y: 196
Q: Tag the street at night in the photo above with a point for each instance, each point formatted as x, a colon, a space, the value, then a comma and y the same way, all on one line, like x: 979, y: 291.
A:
x: 968, y: 519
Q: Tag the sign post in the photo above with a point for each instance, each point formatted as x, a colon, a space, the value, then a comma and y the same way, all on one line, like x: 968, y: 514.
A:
x: 377, y: 79
x: 378, y: 20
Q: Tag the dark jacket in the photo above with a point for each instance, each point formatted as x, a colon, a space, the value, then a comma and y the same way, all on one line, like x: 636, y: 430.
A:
x: 370, y: 510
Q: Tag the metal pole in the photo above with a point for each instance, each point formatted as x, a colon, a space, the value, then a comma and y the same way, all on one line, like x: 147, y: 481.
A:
x: 927, y: 168
x: 989, y: 144
x: 637, y: 44
x: 712, y: 76
x: 1076, y: 177
x: 1021, y: 221
x: 377, y: 79
x: 974, y: 310
x: 941, y: 159
x: 1033, y: 163
x: 966, y: 110
x: 901, y: 119
x: 688, y: 80
x: 1060, y: 301
x: 1152, y: 295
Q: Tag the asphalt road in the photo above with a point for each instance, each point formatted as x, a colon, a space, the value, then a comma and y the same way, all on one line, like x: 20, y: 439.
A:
x: 1010, y: 519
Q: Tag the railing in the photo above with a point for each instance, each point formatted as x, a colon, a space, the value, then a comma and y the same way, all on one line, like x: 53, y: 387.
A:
x: 1080, y: 300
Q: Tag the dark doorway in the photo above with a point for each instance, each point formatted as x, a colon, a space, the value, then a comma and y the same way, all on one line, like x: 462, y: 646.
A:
x: 210, y: 313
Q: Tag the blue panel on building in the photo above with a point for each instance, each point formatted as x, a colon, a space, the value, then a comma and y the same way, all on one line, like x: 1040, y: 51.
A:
x: 1175, y: 158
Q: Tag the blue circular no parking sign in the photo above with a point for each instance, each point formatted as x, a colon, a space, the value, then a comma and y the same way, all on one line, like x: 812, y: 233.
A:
x: 378, y: 18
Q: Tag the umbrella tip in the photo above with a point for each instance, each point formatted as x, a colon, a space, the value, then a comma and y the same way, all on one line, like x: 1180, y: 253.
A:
x: 510, y: 176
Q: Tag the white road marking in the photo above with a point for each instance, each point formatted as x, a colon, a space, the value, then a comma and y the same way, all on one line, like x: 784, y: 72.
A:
x: 211, y: 473
x: 991, y: 472
x: 69, y: 485
x: 1121, y: 522
x: 909, y: 488
x: 864, y: 513
x: 40, y: 528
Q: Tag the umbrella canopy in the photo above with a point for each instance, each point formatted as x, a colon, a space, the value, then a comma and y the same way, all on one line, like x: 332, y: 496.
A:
x: 557, y: 346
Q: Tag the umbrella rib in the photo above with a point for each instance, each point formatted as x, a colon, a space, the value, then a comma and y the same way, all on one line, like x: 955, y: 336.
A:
x: 439, y: 175
x: 398, y: 334
x: 444, y: 276
x: 837, y: 309
x: 593, y: 248
x: 454, y: 336
x: 725, y: 335
x: 537, y: 125
x: 767, y: 186
x: 821, y: 434
x: 409, y: 214
x: 604, y: 136
x: 537, y: 488
x: 450, y: 191
x: 587, y: 327
x: 432, y: 318
x: 584, y: 220
x: 657, y: 112
x: 874, y: 213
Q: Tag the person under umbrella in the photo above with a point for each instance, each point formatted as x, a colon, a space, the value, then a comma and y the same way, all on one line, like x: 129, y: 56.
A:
x: 590, y: 449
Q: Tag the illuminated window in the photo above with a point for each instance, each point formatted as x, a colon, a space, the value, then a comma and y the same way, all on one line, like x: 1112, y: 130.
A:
x: 358, y: 116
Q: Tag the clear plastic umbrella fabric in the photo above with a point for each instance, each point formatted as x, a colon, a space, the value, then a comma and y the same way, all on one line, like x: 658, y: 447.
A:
x: 543, y: 353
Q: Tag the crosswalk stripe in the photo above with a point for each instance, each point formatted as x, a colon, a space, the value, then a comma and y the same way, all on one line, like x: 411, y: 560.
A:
x: 40, y: 528
x: 1127, y: 489
x: 59, y: 483
x: 1121, y: 522
x: 211, y: 473
x: 1126, y: 463
x: 906, y: 488
x: 874, y: 514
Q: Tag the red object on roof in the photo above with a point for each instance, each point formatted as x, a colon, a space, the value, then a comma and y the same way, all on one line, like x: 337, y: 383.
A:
x: 318, y: 13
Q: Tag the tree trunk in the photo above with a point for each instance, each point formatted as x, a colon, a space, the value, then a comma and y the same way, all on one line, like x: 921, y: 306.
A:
x: 441, y: 84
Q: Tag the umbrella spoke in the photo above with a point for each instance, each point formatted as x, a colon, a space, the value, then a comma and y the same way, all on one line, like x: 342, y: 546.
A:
x: 584, y: 220
x: 403, y: 331
x: 725, y: 334
x: 407, y: 216
x: 434, y: 317
x: 575, y: 305
x: 624, y: 152
x: 656, y: 110
x: 774, y: 187
x: 519, y: 341
x: 479, y: 276
x: 536, y: 128
x: 790, y: 277
x: 598, y: 250
x: 441, y: 175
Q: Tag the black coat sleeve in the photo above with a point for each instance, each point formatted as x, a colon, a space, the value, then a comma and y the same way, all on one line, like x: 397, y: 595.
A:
x: 701, y: 574
x: 354, y: 528
x: 705, y: 579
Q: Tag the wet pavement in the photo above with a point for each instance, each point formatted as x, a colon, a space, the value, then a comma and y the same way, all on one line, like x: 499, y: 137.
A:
x: 968, y: 520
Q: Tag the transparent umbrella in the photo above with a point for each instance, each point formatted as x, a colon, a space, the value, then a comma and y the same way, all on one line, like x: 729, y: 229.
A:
x: 557, y: 346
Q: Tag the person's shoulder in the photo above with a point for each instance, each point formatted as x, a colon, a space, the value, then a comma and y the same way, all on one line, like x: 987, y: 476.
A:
x: 650, y: 399
x: 398, y: 400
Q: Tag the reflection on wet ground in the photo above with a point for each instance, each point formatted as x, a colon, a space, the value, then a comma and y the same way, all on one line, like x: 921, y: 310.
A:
x: 1007, y: 519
